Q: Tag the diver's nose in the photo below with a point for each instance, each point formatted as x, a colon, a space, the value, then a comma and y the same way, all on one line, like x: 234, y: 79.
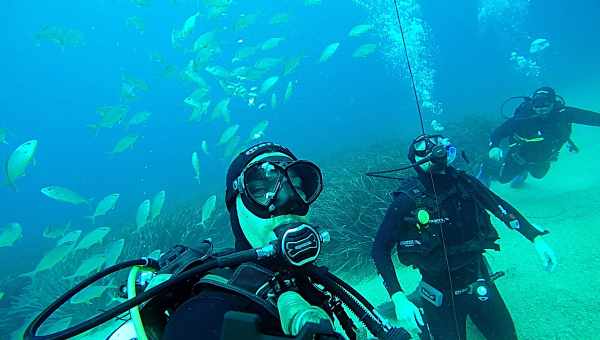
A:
x: 287, y: 200
x: 285, y: 193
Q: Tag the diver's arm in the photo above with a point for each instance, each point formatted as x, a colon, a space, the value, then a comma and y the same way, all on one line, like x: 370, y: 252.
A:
x: 501, y: 132
x: 385, y: 240
x: 504, y: 211
x: 583, y: 117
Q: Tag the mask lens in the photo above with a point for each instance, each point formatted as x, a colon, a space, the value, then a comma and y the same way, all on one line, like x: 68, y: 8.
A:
x: 421, y: 148
x: 424, y: 144
x: 262, y: 182
x: 306, y: 179
x: 542, y: 102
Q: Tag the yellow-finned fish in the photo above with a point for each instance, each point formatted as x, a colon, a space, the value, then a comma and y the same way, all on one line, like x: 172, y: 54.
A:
x: 158, y: 202
x: 64, y: 195
x: 19, y: 160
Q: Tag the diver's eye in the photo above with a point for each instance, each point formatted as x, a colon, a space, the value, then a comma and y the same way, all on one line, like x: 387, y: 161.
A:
x: 257, y: 186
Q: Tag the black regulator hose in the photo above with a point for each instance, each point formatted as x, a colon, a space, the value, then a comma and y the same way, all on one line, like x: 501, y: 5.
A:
x: 224, y: 261
x: 525, y: 98
x: 354, y: 302
x: 380, y: 174
x: 350, y: 297
x: 351, y: 290
x: 46, y: 313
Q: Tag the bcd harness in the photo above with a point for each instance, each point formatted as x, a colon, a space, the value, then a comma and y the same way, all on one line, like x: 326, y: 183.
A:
x: 427, y: 238
x: 250, y: 281
x: 425, y: 204
x: 519, y: 141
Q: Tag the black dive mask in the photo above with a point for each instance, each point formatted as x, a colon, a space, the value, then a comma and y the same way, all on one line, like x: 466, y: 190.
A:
x: 276, y: 186
x: 436, y: 150
x: 542, y: 101
x: 545, y: 100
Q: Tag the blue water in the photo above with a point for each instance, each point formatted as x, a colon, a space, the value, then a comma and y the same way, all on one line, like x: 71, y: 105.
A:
x: 51, y: 93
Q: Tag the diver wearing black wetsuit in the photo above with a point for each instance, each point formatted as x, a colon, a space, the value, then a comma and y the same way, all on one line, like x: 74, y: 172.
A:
x: 536, y: 133
x: 249, y: 287
x: 443, y: 233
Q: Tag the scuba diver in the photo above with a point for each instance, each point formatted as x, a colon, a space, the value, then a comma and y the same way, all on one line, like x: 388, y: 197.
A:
x: 265, y: 288
x: 439, y: 223
x: 267, y: 187
x: 539, y: 128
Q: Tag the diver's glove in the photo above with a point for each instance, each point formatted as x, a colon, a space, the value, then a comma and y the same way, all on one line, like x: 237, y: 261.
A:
x: 546, y: 253
x: 406, y: 312
x: 495, y: 154
x: 295, y: 312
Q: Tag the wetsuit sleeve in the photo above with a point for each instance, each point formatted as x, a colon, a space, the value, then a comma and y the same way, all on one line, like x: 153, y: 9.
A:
x: 504, y: 211
x: 503, y: 131
x: 388, y: 235
x: 583, y: 117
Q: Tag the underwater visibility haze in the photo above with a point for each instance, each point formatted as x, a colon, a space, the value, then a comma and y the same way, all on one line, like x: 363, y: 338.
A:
x: 120, y: 119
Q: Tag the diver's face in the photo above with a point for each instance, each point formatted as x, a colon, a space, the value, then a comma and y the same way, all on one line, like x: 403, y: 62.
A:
x: 543, y: 110
x: 543, y: 105
x: 265, y: 189
x: 438, y: 166
x: 421, y: 146
x: 259, y: 231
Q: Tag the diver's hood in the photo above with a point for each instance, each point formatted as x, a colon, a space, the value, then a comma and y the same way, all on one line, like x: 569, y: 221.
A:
x: 240, y: 240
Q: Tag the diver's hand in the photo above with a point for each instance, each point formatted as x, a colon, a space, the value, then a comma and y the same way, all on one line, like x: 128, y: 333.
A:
x: 495, y: 154
x: 295, y: 312
x: 546, y: 253
x: 406, y: 312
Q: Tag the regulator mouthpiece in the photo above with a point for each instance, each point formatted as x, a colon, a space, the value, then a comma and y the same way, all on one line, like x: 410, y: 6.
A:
x: 300, y: 243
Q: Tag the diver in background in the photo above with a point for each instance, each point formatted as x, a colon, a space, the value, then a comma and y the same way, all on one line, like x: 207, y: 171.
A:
x: 439, y: 223
x: 267, y: 187
x: 539, y: 128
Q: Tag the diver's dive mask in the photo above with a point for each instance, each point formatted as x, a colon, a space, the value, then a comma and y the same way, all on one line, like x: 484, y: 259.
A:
x: 544, y: 100
x: 277, y: 186
x: 426, y: 152
x: 543, y: 104
x: 432, y: 148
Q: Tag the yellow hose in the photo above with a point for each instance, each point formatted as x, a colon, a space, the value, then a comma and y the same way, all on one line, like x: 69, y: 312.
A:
x: 136, y: 318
